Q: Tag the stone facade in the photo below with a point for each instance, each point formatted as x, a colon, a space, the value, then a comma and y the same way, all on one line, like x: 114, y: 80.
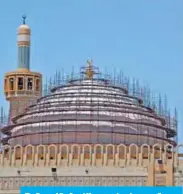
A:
x: 14, y: 183
x: 86, y: 155
x: 105, y: 165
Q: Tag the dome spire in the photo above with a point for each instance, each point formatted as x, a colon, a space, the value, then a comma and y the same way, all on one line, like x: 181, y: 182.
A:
x: 89, y: 71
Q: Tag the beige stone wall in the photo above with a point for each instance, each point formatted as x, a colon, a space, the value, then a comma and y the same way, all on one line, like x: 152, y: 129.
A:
x: 19, y: 105
x: 86, y: 155
x: 88, y: 165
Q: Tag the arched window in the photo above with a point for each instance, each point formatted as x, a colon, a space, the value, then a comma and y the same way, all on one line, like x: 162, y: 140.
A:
x: 64, y: 152
x: 110, y: 152
x: 30, y: 83
x: 20, y: 83
x: 37, y: 84
x: 75, y: 152
x: 87, y: 152
x: 52, y: 151
x: 98, y: 152
x: 29, y: 152
x: 11, y: 83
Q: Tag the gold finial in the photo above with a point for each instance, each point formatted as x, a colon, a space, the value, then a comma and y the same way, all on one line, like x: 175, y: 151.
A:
x: 89, y: 71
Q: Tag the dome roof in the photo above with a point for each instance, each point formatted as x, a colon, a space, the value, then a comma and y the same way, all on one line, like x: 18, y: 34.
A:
x: 88, y: 112
x: 24, y: 29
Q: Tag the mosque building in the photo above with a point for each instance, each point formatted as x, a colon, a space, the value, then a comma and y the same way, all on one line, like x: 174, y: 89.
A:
x: 89, y: 130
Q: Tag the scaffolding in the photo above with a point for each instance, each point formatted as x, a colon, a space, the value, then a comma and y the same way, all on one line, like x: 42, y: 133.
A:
x: 148, y: 98
x: 3, y: 116
x: 152, y: 105
x: 3, y: 122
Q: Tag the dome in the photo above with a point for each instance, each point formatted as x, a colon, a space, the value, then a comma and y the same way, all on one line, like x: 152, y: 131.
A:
x: 24, y: 29
x: 88, y: 111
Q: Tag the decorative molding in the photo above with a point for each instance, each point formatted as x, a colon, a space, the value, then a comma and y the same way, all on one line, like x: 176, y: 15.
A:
x: 14, y: 183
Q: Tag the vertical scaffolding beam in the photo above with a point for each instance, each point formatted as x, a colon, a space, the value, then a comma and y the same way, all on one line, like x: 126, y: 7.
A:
x: 176, y: 126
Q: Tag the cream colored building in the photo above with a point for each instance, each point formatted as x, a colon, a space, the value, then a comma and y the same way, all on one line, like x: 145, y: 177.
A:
x: 88, y: 131
x: 131, y: 165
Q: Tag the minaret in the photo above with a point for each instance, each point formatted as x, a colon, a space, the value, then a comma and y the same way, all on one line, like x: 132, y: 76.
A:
x: 23, y: 44
x: 22, y: 87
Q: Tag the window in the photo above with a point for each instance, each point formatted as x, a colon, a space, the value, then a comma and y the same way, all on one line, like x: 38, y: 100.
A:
x: 29, y: 83
x: 20, y: 83
x: 5, y: 84
x: 37, y: 84
x: 11, y: 83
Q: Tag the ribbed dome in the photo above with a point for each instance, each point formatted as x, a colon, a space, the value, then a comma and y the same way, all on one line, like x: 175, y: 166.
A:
x: 88, y: 112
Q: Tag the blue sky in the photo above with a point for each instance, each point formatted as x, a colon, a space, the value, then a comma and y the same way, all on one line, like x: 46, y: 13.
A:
x: 144, y: 38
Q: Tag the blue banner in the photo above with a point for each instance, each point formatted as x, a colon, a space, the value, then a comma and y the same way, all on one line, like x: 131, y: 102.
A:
x: 100, y: 190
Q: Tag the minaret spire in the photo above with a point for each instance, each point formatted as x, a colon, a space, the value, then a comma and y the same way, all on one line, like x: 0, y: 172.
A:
x: 24, y: 18
x: 23, y: 43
